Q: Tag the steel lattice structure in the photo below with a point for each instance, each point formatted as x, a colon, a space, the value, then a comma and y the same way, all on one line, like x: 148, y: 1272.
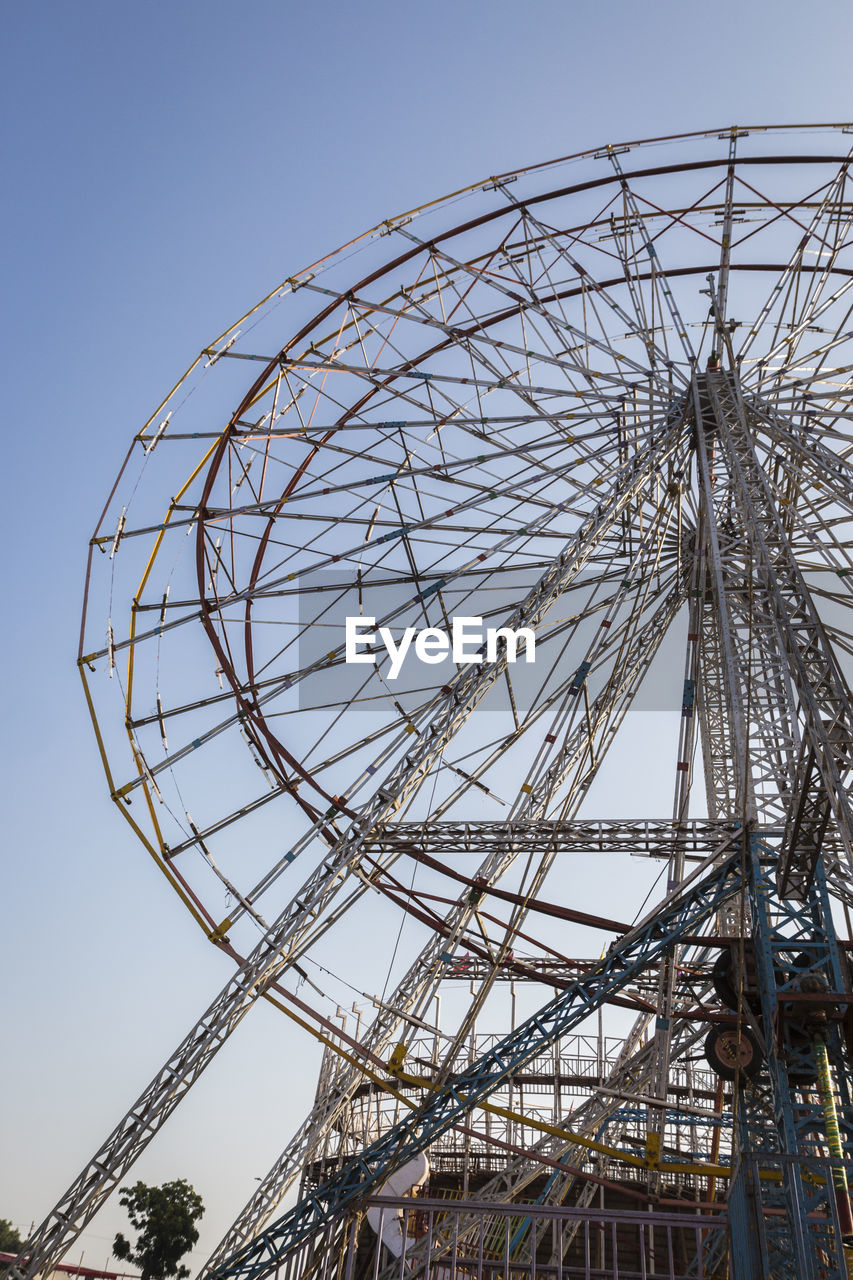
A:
x: 606, y: 400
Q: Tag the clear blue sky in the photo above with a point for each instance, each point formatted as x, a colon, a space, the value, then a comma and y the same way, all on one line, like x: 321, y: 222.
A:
x: 164, y: 165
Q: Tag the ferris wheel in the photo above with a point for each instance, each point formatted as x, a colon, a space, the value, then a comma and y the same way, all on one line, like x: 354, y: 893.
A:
x: 383, y: 576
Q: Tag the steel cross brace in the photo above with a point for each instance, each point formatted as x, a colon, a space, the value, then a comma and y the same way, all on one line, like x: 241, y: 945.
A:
x: 681, y: 913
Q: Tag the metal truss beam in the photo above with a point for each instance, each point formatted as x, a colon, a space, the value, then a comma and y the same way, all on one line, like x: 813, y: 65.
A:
x: 769, y: 698
x: 652, y: 837
x: 809, y: 661
x: 730, y: 719
x: 713, y: 715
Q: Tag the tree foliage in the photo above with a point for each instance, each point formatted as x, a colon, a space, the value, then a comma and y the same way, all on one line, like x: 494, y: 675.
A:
x: 10, y: 1240
x: 164, y: 1218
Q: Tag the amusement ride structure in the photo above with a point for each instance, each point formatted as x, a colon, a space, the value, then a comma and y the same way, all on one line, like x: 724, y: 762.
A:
x: 605, y: 401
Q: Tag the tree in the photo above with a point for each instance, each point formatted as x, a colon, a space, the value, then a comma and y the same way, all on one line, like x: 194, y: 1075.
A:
x: 165, y: 1218
x: 10, y: 1241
